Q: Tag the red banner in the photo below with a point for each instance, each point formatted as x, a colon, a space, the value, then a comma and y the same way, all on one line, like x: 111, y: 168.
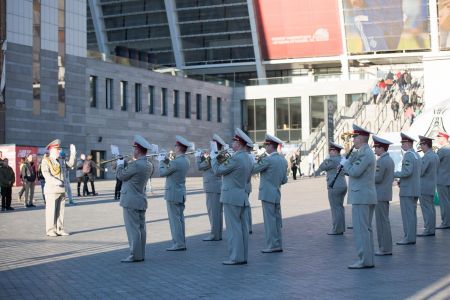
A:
x: 14, y: 154
x: 300, y: 28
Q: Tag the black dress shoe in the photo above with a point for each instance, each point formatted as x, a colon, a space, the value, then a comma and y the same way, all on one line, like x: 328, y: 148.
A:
x: 335, y: 233
x: 31, y: 205
x: 176, y: 249
x: 3, y: 208
x: 10, y: 208
x: 234, y: 263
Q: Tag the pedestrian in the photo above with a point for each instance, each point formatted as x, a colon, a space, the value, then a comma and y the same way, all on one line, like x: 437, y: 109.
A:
x: 395, y: 106
x: 336, y: 193
x: 22, y: 190
x: 360, y: 168
x: 81, y: 176
x: 54, y: 189
x: 175, y: 171
x: 428, y: 183
x: 28, y: 175
x: 311, y: 165
x: 295, y: 165
x: 134, y: 199
x: 89, y: 168
x: 41, y: 177
x: 212, y: 185
x: 409, y: 189
x: 235, y: 172
x: 405, y: 99
x: 375, y: 93
x: 66, y: 177
x: 273, y: 175
x: 118, y: 186
x: 384, y: 177
x: 443, y: 179
x: 7, y: 180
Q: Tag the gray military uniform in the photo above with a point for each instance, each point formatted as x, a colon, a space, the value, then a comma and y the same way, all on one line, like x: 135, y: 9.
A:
x: 212, y: 185
x: 336, y: 194
x: 384, y: 177
x: 248, y: 190
x: 236, y: 172
x: 362, y: 195
x: 134, y: 179
x: 428, y: 182
x: 409, y: 193
x: 273, y: 175
x: 175, y: 195
x: 443, y: 184
x: 54, y: 191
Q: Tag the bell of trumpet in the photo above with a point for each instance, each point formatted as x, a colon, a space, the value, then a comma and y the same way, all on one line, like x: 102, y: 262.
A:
x: 224, y: 155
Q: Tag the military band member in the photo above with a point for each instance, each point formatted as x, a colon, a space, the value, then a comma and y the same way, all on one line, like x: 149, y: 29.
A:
x: 273, y: 169
x: 134, y: 179
x: 175, y: 192
x: 360, y: 168
x: 248, y: 187
x: 54, y: 189
x: 235, y: 171
x: 212, y: 185
x: 443, y: 179
x: 428, y: 182
x: 409, y: 189
x: 384, y: 177
x: 336, y: 194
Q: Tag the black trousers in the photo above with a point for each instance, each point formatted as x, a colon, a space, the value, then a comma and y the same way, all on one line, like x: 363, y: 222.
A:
x: 117, y: 189
x: 294, y: 172
x: 85, y: 189
x: 6, y: 196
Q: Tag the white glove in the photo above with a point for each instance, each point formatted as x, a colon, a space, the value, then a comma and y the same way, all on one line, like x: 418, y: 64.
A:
x: 198, y: 153
x: 161, y: 156
x: 343, y: 161
x: 73, y: 150
x: 120, y: 162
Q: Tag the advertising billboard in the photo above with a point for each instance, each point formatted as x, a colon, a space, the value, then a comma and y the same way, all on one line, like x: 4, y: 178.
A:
x: 296, y: 29
x: 14, y: 154
x: 444, y: 23
x: 386, y: 25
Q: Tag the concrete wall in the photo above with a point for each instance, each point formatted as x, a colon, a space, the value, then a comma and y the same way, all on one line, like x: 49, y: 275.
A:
x: 435, y: 67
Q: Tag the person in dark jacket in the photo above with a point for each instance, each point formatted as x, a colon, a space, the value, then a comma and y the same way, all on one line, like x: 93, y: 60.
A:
x: 7, y: 180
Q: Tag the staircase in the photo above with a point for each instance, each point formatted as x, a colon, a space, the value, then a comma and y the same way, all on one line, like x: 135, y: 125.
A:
x: 377, y: 118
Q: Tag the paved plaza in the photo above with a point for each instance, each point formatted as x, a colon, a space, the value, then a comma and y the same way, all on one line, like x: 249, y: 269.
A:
x: 313, y: 265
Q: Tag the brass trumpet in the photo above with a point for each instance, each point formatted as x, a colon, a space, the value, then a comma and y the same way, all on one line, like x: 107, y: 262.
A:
x: 224, y: 155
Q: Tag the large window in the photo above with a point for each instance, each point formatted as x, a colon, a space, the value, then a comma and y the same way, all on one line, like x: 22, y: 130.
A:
x: 288, y: 118
x: 151, y: 99
x: 350, y: 98
x: 254, y: 118
x: 137, y: 97
x: 187, y: 105
x: 109, y: 93
x: 93, y: 90
x: 199, y: 106
x: 176, y: 103
x: 123, y: 95
x: 317, y: 109
x: 219, y: 109
x: 163, y: 102
x: 208, y: 108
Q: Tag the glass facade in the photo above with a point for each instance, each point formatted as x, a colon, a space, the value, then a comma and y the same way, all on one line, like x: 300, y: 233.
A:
x: 123, y: 95
x: 163, y: 102
x: 109, y: 93
x: 176, y: 103
x: 36, y: 57
x: 61, y: 58
x: 199, y: 106
x: 288, y: 119
x: 93, y: 91
x: 317, y: 109
x: 187, y: 105
x: 151, y: 99
x: 137, y: 97
x: 254, y: 118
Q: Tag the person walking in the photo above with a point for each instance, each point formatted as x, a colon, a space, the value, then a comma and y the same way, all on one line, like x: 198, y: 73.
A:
x: 311, y: 165
x: 28, y: 175
x: 134, y: 199
x: 7, y: 180
x: 295, y: 165
x: 395, y: 106
x: 89, y: 167
x: 81, y: 176
x: 41, y: 177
